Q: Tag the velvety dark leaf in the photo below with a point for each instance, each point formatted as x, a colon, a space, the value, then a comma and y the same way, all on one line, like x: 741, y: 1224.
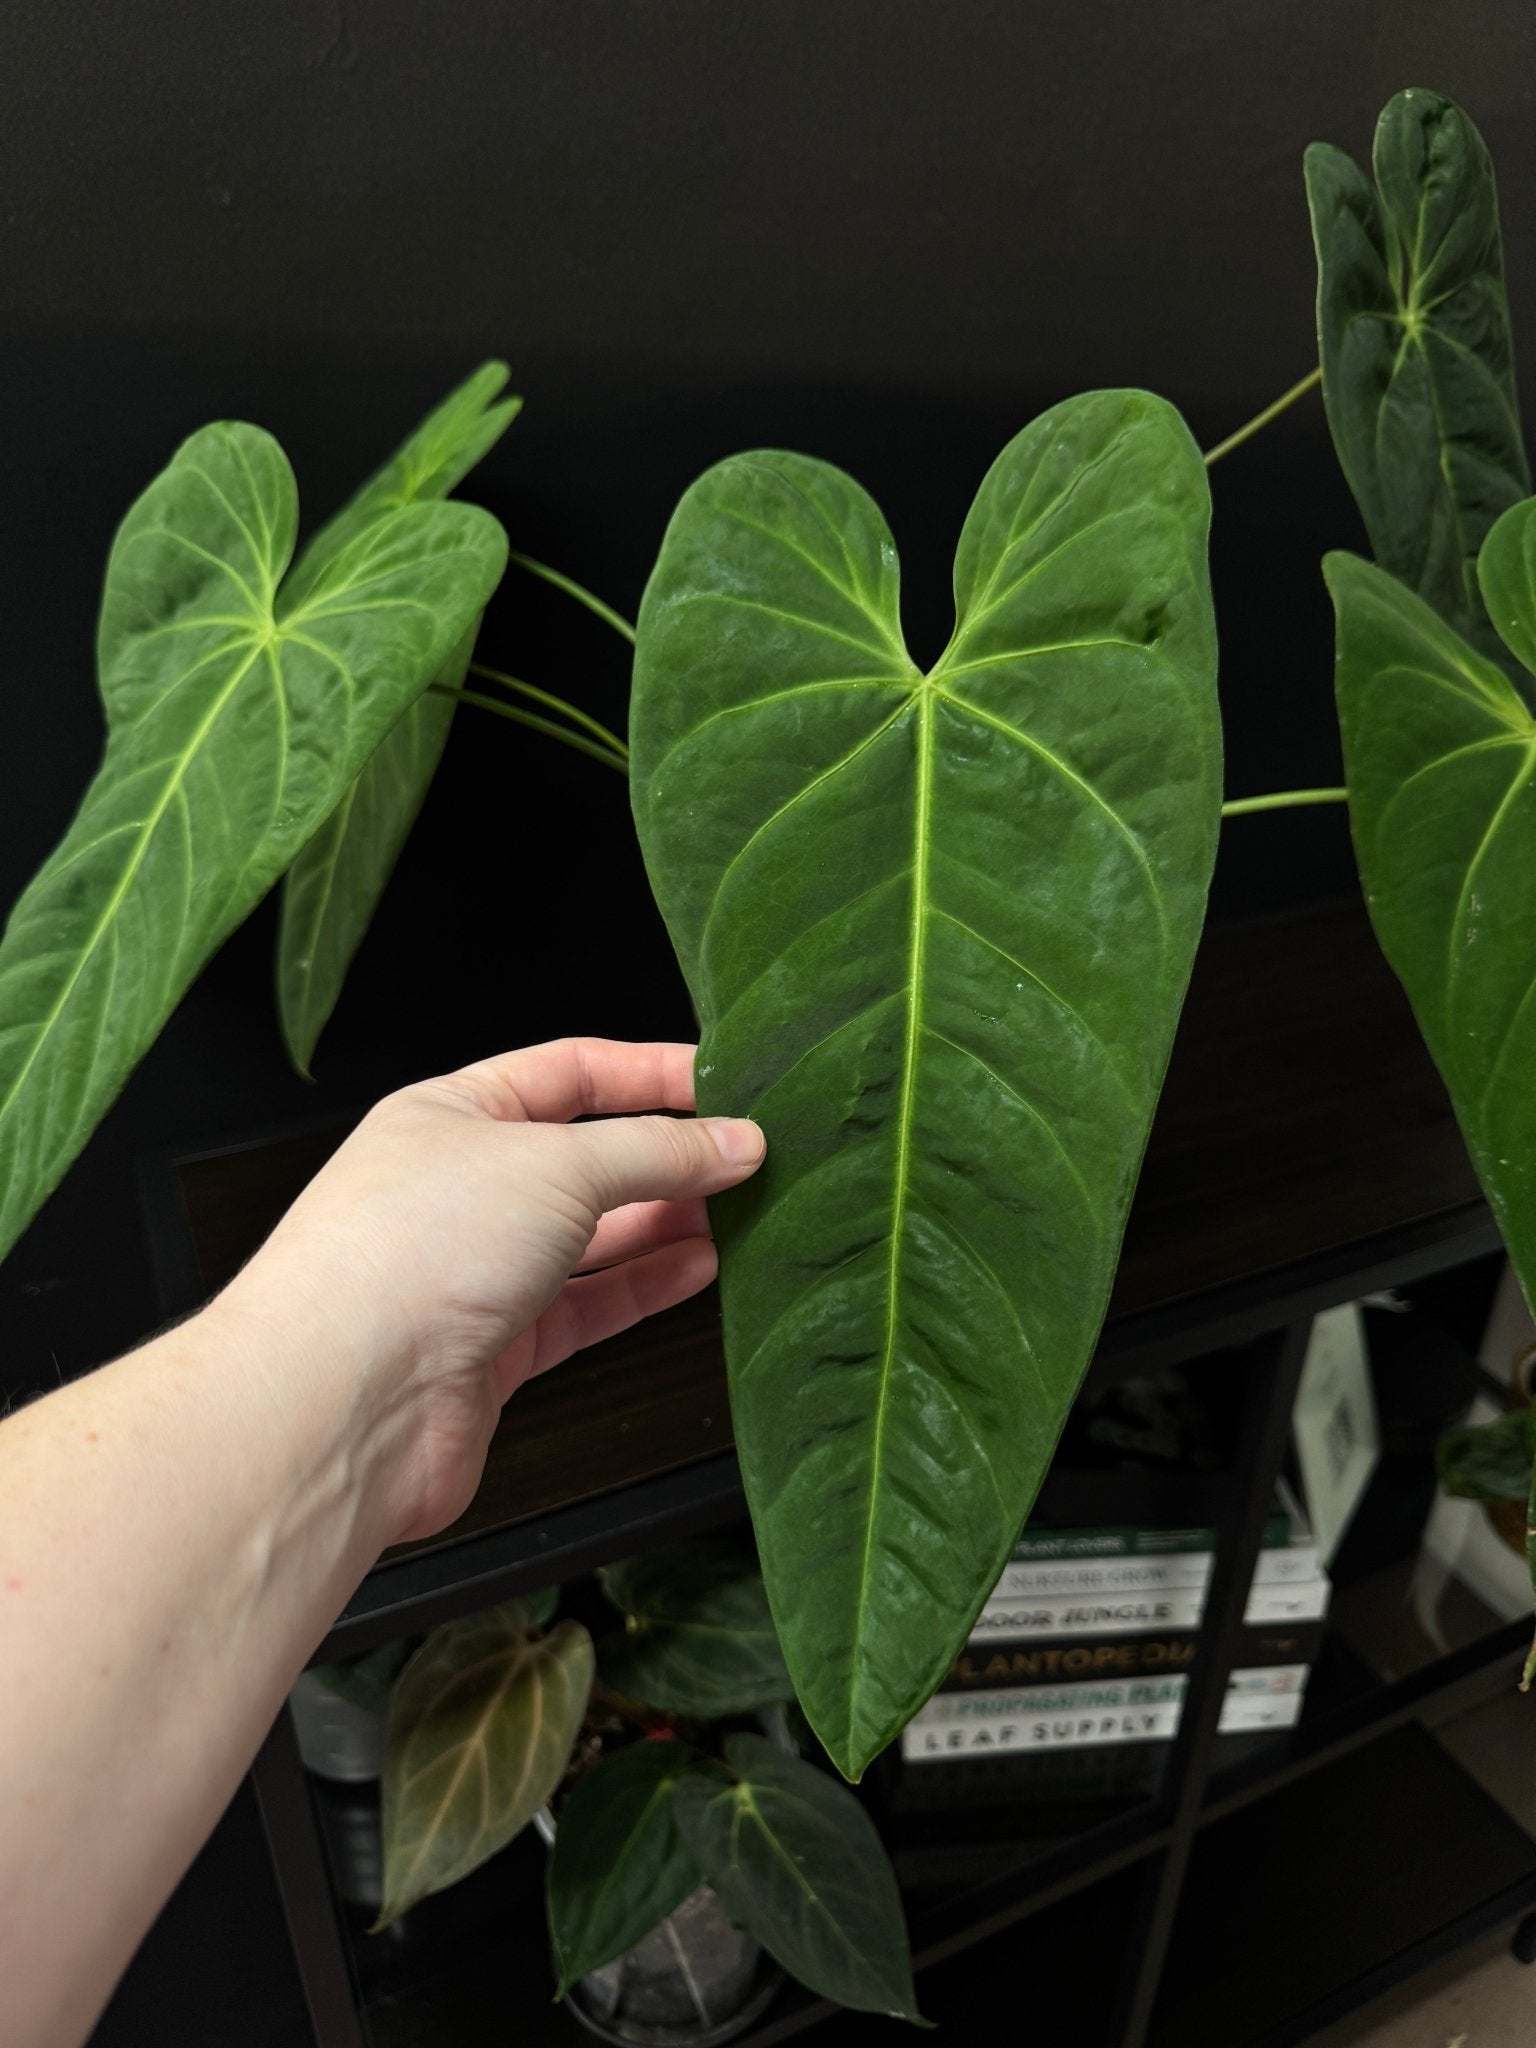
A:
x: 333, y: 888
x: 238, y: 712
x: 540, y: 1606
x: 480, y: 1732
x: 619, y: 1865
x: 1489, y: 1460
x: 938, y: 929
x: 797, y: 1863
x: 699, y: 1639
x: 1440, y: 757
x: 1413, y: 326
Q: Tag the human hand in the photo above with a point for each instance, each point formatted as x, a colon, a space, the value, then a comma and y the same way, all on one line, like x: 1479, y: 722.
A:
x: 467, y: 1235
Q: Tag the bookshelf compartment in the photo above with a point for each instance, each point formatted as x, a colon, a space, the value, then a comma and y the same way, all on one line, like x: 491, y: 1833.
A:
x: 1299, y: 1907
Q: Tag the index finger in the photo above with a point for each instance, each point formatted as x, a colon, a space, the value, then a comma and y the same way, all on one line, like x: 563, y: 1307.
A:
x: 582, y: 1077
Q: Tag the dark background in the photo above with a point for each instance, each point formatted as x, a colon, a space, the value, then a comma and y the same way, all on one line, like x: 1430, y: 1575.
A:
x: 884, y: 231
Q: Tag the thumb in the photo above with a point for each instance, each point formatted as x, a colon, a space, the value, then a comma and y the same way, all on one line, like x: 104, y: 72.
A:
x: 665, y: 1158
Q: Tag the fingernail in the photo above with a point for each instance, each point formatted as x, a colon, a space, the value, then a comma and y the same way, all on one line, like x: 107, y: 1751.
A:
x: 738, y: 1140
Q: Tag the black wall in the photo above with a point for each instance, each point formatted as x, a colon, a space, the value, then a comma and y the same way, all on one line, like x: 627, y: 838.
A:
x: 884, y: 231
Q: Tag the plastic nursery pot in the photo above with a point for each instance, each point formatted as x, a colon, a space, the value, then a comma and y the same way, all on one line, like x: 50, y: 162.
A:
x: 338, y: 1738
x: 693, y: 1981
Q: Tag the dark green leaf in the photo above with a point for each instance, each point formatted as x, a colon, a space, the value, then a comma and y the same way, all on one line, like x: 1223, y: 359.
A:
x: 938, y: 930
x: 1489, y: 1460
x: 540, y: 1606
x: 699, y: 1639
x: 1413, y: 327
x: 619, y: 1865
x: 237, y: 715
x: 796, y: 1861
x: 334, y: 887
x: 427, y: 465
x: 1440, y: 758
x: 480, y: 1732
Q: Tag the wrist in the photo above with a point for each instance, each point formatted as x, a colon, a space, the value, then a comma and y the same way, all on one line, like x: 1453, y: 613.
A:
x: 310, y: 1389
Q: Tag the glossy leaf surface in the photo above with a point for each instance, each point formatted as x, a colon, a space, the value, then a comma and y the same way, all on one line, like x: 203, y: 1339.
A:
x: 333, y: 889
x: 619, y: 1865
x: 238, y: 712
x: 938, y: 929
x: 1413, y: 328
x: 796, y: 1861
x: 1440, y: 758
x: 699, y: 1638
x: 480, y: 1732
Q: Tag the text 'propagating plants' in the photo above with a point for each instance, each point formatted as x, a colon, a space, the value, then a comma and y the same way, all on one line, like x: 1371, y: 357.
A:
x: 938, y: 929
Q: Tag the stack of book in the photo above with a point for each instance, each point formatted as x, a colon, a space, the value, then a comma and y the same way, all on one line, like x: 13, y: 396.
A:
x: 1090, y: 1636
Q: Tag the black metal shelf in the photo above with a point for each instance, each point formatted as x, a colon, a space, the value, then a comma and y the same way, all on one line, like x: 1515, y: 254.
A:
x: 1304, y: 1156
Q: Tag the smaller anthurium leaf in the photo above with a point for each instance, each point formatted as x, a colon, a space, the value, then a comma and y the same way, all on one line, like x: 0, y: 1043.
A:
x: 238, y: 711
x: 332, y: 890
x: 540, y: 1606
x: 1440, y: 760
x: 1413, y: 329
x: 1506, y: 574
x: 334, y: 887
x: 480, y: 1733
x: 1489, y: 1460
x: 698, y: 1639
x: 796, y: 1861
x: 427, y: 465
x: 619, y: 1865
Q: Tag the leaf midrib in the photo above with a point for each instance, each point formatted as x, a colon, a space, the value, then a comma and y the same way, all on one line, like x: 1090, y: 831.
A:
x: 114, y: 903
x: 518, y: 1658
x: 912, y: 1038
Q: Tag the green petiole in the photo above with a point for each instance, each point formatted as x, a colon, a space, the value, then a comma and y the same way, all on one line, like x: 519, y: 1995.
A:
x: 1282, y: 800
x: 572, y: 588
x: 553, y: 703
x: 547, y: 726
x: 1262, y: 419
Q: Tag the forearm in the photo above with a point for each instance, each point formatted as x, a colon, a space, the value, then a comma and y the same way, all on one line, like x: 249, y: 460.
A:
x: 177, y: 1531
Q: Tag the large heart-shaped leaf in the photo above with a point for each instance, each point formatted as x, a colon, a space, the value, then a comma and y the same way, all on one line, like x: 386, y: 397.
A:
x: 699, y: 1638
x: 619, y: 1865
x: 796, y: 1861
x: 1413, y: 327
x: 480, y: 1732
x: 333, y: 888
x: 938, y: 929
x: 1440, y: 759
x: 238, y: 711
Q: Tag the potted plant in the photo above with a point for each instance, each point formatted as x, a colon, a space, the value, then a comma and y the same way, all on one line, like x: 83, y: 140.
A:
x: 688, y: 1833
x: 937, y: 923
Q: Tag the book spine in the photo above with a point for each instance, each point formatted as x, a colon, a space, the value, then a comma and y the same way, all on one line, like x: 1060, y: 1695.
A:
x: 1179, y: 1570
x: 1078, y: 1717
x: 1176, y: 1607
x: 1009, y: 1663
x: 1051, y: 1545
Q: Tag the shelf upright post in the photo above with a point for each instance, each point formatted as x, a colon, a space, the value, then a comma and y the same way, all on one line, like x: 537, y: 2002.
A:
x: 1264, y: 1432
x: 315, y: 1927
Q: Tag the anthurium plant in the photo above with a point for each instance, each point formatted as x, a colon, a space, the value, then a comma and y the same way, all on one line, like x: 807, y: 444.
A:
x: 937, y: 923
x: 1437, y: 645
x: 660, y: 1778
